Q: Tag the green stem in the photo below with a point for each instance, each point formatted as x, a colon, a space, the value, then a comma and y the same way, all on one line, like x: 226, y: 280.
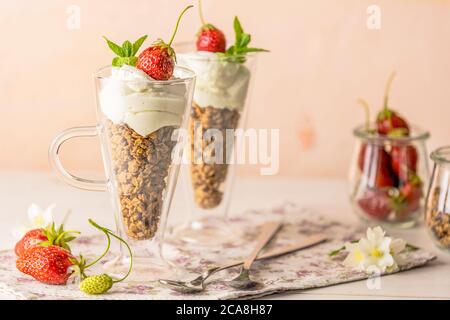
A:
x: 178, y: 23
x: 387, y: 90
x: 131, y: 258
x: 200, y: 12
x: 367, y: 113
x: 109, y: 233
x: 104, y: 230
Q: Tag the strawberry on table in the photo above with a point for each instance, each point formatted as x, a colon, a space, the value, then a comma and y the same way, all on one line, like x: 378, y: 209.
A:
x: 45, y: 236
x: 158, y: 60
x: 31, y: 238
x: 46, y: 264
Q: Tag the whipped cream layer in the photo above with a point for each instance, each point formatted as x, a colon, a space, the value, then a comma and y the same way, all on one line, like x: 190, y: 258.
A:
x: 130, y: 96
x: 219, y: 84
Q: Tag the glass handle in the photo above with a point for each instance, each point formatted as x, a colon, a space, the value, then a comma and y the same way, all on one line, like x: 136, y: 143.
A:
x: 63, y: 174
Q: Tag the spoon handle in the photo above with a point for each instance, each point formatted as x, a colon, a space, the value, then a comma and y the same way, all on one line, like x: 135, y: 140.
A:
x: 268, y: 231
x: 302, y: 244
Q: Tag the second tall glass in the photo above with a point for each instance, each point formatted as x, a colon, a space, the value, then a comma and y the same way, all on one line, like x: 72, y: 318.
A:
x: 220, y: 106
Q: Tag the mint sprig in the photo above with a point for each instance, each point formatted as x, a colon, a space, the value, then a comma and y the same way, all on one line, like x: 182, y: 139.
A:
x: 237, y: 52
x: 126, y: 54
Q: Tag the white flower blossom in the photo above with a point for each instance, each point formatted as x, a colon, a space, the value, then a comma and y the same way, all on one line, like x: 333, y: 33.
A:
x: 375, y: 252
x: 37, y: 218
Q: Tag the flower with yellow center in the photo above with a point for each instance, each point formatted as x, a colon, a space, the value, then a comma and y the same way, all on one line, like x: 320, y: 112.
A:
x: 375, y: 252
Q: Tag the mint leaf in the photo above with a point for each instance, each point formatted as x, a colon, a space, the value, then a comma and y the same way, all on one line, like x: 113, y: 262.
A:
x: 117, y: 62
x: 127, y: 48
x: 126, y: 54
x: 138, y: 43
x: 120, y: 61
x: 114, y: 47
x: 238, y: 29
x: 236, y: 52
x: 245, y: 40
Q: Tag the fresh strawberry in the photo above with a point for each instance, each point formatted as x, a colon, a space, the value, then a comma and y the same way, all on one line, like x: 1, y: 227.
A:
x: 388, y: 120
x: 403, y: 160
x: 30, y: 239
x: 158, y: 60
x: 211, y: 39
x: 45, y: 236
x: 409, y: 196
x: 46, y: 264
x: 375, y: 203
x: 375, y: 164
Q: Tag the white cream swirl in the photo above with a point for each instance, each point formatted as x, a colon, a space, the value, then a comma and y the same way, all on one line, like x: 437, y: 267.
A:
x: 219, y: 84
x: 129, y: 96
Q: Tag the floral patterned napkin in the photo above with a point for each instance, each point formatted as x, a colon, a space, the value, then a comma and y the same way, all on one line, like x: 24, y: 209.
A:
x: 305, y: 269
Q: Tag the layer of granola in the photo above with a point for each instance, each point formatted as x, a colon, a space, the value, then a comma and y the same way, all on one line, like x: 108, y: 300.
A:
x: 437, y: 220
x: 141, y: 166
x: 208, y: 178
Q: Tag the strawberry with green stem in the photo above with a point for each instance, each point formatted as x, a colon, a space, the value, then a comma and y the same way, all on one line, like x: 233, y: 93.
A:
x: 389, y: 122
x: 158, y: 60
x: 54, y: 265
x: 373, y: 160
x: 126, y: 54
x: 45, y: 237
x: 209, y: 38
x: 237, y: 52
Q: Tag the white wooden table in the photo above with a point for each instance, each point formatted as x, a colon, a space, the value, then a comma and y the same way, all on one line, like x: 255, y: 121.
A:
x: 329, y: 197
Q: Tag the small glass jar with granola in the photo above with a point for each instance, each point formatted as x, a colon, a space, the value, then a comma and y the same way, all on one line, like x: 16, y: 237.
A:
x: 437, y: 212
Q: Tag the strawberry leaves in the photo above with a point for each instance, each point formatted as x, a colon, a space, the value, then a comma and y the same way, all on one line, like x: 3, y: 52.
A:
x: 58, y: 237
x: 126, y: 54
x: 240, y: 47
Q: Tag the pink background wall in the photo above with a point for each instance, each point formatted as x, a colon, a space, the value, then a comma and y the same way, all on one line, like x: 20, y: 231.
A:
x: 323, y: 57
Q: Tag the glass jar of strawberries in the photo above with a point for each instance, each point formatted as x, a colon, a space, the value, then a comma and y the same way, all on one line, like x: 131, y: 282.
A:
x: 389, y: 171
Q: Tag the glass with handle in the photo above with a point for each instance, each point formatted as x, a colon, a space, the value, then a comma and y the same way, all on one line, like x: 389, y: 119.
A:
x: 139, y: 122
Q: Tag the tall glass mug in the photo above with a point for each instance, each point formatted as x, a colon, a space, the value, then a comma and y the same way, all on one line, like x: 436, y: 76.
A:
x: 138, y: 122
x: 219, y: 107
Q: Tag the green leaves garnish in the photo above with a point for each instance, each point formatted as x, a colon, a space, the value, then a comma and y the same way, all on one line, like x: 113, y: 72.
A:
x: 126, y: 54
x: 237, y: 52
